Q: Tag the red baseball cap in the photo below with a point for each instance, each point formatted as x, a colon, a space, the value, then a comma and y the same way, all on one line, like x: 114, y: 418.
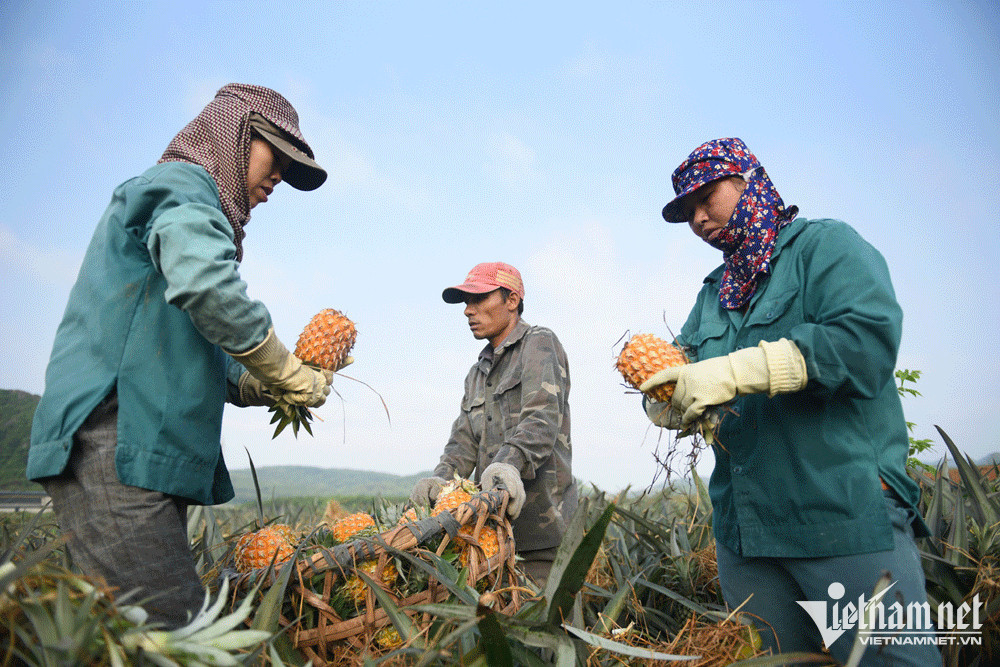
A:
x: 484, y: 278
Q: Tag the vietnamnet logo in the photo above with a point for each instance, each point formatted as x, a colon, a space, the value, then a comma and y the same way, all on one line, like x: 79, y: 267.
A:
x: 898, y: 623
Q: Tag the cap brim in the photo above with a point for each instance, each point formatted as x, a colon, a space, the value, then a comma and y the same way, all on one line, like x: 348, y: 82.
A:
x: 303, y: 173
x: 457, y: 294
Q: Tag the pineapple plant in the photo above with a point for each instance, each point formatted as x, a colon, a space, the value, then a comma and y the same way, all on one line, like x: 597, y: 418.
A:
x: 453, y: 494
x: 645, y: 354
x: 325, y: 343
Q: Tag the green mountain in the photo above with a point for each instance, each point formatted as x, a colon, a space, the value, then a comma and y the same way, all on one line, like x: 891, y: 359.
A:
x: 305, y: 481
x: 18, y: 407
x: 16, y: 410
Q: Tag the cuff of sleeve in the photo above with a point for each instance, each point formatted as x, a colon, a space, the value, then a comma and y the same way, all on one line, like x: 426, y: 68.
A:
x: 515, y: 457
x: 785, y: 365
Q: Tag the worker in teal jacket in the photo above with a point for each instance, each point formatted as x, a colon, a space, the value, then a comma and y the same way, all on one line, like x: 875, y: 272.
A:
x: 793, y: 342
x: 158, y: 333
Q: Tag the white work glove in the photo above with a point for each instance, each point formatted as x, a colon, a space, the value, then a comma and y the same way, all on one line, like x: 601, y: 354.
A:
x: 507, y: 477
x: 426, y: 491
x: 284, y: 374
x: 772, y: 368
x: 663, y: 415
x: 253, y: 392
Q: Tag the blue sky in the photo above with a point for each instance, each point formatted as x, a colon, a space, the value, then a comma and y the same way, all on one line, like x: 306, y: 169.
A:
x: 540, y: 134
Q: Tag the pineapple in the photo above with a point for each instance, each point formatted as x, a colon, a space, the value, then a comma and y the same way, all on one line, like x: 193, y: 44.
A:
x: 256, y: 550
x: 453, y: 494
x: 645, y: 354
x: 356, y: 588
x: 489, y: 542
x: 388, y: 638
x: 325, y: 343
x: 353, y: 524
x: 327, y: 340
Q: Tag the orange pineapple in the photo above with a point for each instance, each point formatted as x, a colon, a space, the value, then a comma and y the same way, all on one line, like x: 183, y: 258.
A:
x: 325, y: 343
x: 356, y: 588
x: 352, y: 525
x: 255, y: 550
x: 645, y: 354
x: 489, y: 542
x: 453, y: 494
x: 327, y: 340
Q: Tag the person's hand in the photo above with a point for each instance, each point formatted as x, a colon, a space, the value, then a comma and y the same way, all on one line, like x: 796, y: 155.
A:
x: 507, y: 477
x: 253, y: 392
x: 284, y: 374
x: 772, y: 368
x: 663, y: 415
x: 426, y: 491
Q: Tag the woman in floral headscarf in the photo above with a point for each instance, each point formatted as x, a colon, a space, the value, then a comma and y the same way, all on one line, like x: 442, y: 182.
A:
x: 796, y: 334
x: 158, y: 333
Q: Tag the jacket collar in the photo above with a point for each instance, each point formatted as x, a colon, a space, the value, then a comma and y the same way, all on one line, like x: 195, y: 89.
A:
x: 516, y: 334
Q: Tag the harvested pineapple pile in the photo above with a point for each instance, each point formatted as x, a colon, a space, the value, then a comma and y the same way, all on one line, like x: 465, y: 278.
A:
x: 330, y: 609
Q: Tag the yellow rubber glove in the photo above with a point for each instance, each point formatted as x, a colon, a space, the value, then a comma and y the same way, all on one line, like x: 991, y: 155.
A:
x: 772, y: 368
x: 284, y: 375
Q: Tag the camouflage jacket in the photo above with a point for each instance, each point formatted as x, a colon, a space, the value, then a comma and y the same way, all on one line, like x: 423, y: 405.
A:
x: 516, y: 410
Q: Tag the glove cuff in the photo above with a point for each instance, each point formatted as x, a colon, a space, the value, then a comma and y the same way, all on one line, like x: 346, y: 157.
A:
x: 786, y: 366
x: 267, y: 349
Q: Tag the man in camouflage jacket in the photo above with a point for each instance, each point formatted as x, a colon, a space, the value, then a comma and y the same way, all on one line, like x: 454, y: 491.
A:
x: 514, y: 427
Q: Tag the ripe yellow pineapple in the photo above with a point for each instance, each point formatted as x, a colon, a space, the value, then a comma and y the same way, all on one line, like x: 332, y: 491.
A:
x: 325, y: 343
x: 327, y: 340
x: 353, y: 524
x: 356, y: 588
x: 645, y: 354
x: 255, y: 550
x: 488, y: 541
x: 453, y: 494
x: 388, y: 637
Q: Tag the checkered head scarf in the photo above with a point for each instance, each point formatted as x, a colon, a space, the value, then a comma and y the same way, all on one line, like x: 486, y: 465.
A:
x: 748, y: 238
x: 218, y: 139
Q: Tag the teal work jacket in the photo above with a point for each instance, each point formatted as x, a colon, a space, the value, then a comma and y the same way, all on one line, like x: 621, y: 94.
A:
x: 798, y: 475
x: 157, y: 300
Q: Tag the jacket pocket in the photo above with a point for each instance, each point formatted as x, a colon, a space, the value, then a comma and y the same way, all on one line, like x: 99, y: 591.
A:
x: 708, y: 341
x: 474, y: 410
x: 508, y: 399
x: 776, y: 311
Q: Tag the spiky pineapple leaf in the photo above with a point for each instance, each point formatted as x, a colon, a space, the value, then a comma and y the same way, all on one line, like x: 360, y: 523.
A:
x: 986, y: 511
x: 569, y: 572
x: 624, y: 649
x: 493, y: 641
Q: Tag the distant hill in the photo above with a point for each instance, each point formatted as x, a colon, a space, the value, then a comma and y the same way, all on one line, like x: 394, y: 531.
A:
x: 305, y: 481
x: 18, y: 407
x: 16, y: 410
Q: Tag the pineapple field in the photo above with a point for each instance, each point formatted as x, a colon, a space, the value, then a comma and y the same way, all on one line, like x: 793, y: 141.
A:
x: 311, y: 582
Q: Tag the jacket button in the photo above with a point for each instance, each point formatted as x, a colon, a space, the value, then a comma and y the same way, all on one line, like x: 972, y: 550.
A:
x: 738, y: 470
x: 489, y: 418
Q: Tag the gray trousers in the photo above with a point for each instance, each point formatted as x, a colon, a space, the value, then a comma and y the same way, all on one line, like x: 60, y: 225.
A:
x: 777, y: 584
x: 134, y: 539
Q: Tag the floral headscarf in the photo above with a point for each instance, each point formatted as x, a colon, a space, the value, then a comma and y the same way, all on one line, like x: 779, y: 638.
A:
x: 747, y: 240
x: 218, y: 139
